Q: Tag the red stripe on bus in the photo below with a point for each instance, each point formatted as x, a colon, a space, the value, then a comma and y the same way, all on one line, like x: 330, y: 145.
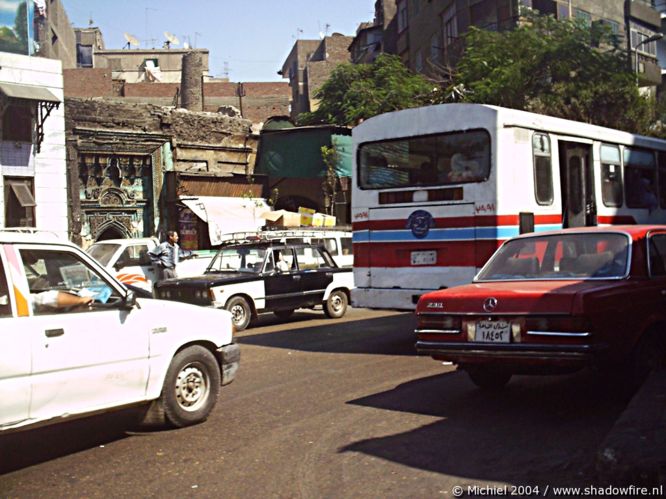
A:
x: 616, y: 219
x: 449, y: 253
x: 455, y: 222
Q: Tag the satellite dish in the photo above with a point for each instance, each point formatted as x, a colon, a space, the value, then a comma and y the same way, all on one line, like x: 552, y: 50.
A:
x: 170, y: 38
x: 131, y: 40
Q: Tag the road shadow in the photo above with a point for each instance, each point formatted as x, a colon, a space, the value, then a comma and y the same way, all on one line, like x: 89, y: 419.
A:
x: 388, y: 335
x: 499, y: 436
x: 29, y: 447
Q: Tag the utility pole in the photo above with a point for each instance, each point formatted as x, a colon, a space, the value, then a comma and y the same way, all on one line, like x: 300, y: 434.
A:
x: 240, y: 92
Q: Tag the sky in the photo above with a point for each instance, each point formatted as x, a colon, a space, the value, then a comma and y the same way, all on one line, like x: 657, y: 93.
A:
x: 247, y: 40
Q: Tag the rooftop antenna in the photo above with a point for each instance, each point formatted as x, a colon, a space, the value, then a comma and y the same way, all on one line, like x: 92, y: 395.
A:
x: 170, y: 38
x: 91, y: 23
x: 196, y: 34
x: 131, y: 40
x: 225, y: 71
x: 299, y: 31
x: 326, y: 26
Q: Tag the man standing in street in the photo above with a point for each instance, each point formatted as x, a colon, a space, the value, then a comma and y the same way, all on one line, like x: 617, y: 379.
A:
x: 166, y: 256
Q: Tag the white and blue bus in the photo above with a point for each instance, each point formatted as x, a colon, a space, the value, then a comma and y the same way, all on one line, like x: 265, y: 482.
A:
x: 437, y: 189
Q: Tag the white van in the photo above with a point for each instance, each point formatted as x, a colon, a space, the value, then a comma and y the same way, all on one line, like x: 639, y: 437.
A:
x: 128, y: 260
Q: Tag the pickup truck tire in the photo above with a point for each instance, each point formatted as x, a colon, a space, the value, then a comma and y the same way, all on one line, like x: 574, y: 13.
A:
x: 336, y: 305
x: 240, y: 312
x: 191, y: 387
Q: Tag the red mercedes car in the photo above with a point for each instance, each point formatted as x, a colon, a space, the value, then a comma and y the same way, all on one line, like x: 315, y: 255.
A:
x: 554, y: 302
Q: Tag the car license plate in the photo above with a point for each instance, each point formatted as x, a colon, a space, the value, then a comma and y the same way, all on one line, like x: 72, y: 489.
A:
x: 424, y: 257
x: 493, y: 331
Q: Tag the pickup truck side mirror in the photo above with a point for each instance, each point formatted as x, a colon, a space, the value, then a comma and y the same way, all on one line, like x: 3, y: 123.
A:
x: 119, y: 264
x: 129, y: 302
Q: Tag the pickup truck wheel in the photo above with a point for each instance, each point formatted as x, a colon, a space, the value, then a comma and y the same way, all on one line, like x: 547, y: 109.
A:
x: 191, y: 387
x: 284, y: 314
x: 240, y: 312
x: 487, y: 378
x: 336, y: 305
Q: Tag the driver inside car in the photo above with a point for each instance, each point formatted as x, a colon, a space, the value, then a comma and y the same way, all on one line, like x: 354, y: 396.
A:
x: 56, y: 300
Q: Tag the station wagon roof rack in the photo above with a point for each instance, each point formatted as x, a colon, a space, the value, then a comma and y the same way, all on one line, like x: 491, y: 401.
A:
x: 270, y: 234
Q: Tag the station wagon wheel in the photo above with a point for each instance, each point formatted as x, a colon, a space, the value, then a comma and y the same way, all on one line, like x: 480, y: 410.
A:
x: 191, y: 387
x: 336, y: 305
x: 240, y: 312
x: 488, y: 378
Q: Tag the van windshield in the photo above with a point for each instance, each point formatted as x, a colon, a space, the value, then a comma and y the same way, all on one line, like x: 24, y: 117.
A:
x: 102, y: 252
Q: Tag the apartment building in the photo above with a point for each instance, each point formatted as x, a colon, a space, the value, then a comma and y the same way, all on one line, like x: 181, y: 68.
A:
x: 308, y: 66
x: 430, y: 32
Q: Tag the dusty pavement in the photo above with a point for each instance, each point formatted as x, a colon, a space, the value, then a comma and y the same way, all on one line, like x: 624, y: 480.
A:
x: 326, y: 408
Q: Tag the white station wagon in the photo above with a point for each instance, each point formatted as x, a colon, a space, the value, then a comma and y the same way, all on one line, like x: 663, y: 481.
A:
x: 119, y: 350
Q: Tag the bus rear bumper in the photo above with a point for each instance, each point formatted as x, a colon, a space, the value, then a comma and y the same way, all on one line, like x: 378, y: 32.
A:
x: 386, y: 299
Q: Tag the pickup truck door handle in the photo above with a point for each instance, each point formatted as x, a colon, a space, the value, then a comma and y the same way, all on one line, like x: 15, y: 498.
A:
x: 663, y: 292
x: 52, y: 333
x: 296, y: 278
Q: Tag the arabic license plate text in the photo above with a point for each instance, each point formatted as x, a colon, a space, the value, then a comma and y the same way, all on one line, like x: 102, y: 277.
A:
x: 424, y: 257
x: 493, y: 331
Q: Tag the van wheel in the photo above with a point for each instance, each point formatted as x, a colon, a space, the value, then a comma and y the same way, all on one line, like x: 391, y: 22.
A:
x: 284, y: 314
x: 240, y: 312
x: 336, y: 305
x: 488, y: 378
x: 191, y: 387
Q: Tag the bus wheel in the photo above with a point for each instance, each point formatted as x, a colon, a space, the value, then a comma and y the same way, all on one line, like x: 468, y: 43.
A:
x: 336, y: 305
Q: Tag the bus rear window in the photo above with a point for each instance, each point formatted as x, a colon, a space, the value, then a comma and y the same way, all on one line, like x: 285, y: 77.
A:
x: 442, y: 159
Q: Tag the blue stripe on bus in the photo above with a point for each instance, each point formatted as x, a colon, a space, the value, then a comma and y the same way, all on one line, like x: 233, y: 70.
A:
x: 458, y: 234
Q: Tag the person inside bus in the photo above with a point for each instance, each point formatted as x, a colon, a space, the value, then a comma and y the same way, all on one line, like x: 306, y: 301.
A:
x: 462, y: 169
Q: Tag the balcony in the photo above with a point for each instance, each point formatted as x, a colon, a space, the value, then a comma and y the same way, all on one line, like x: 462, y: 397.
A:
x: 645, y: 14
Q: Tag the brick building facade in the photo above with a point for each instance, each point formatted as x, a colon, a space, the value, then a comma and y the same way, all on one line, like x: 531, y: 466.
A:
x: 130, y: 163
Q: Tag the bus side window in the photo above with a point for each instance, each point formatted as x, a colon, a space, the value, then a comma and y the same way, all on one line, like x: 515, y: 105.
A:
x: 640, y: 178
x: 611, y: 176
x: 543, y: 171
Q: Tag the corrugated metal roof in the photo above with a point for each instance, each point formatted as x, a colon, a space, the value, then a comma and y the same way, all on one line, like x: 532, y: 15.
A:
x: 216, y: 186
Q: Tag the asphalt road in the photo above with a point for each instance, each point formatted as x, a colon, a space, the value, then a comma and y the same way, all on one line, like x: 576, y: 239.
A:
x: 330, y: 408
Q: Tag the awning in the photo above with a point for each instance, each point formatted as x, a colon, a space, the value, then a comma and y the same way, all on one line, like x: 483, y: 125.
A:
x: 23, y: 193
x: 28, y: 92
x: 225, y: 215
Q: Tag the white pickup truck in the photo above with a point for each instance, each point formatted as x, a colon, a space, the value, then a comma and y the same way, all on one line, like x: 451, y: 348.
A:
x: 76, y: 341
x: 128, y: 260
